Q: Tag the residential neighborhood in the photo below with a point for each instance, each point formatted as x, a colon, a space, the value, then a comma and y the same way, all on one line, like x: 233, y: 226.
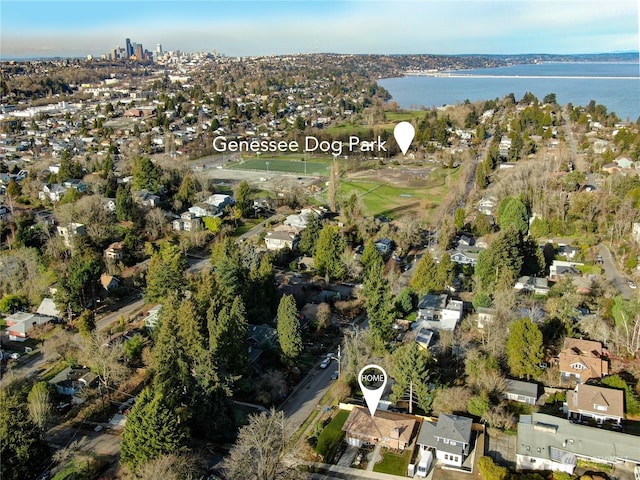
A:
x: 166, y: 303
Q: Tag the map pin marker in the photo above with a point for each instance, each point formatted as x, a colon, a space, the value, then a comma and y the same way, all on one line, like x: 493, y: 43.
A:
x: 372, y: 380
x: 404, y: 133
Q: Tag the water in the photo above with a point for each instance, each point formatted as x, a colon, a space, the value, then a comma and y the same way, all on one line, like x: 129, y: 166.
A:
x: 620, y: 95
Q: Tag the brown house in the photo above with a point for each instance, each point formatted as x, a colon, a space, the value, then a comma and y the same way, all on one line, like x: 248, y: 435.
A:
x: 595, y: 402
x: 581, y: 360
x: 391, y: 430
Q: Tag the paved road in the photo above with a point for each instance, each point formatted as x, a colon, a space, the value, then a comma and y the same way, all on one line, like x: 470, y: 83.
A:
x: 125, y: 311
x: 306, y: 397
x: 104, y: 443
x: 618, y: 280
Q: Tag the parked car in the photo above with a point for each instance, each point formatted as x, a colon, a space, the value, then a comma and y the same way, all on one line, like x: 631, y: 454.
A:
x: 632, y: 284
x: 14, y: 356
x: 334, y: 375
x: 425, y: 463
x: 325, y: 363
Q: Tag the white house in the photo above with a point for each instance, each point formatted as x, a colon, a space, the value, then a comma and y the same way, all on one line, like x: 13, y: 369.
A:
x: 439, y: 312
x: 536, y: 285
x: 220, y: 201
x: 69, y: 232
x: 519, y: 391
x: 278, y: 240
x: 188, y: 222
x: 546, y: 442
x: 450, y: 437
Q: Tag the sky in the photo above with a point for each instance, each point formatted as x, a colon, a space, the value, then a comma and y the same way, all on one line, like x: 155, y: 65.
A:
x: 241, y: 27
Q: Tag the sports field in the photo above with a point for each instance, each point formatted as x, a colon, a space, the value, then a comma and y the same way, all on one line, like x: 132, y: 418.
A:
x: 315, y: 166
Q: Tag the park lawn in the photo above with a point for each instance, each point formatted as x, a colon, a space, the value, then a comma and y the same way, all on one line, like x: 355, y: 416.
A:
x: 394, y: 463
x: 381, y: 198
x: 390, y: 121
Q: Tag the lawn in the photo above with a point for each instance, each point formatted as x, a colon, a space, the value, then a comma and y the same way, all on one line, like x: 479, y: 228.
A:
x: 381, y: 198
x: 394, y: 463
x: 332, y: 435
x: 288, y: 164
x: 390, y: 121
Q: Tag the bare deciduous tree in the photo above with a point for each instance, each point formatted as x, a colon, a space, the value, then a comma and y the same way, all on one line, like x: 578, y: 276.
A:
x: 172, y: 467
x: 260, y: 448
x: 103, y: 358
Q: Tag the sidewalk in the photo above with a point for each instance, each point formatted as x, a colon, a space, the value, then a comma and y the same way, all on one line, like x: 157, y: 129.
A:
x: 351, y: 473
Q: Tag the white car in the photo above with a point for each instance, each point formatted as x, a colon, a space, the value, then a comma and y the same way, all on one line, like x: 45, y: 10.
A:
x: 325, y: 363
x: 14, y: 356
x: 425, y: 463
x: 632, y: 284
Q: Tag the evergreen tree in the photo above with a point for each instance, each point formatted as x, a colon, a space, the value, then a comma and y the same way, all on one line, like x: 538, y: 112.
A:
x: 242, y: 196
x: 370, y: 254
x: 146, y: 175
x: 411, y: 372
x: 152, y: 429
x: 424, y: 278
x: 504, y: 252
x: 171, y: 361
x: 125, y: 207
x: 289, y: 333
x: 379, y: 302
x: 309, y: 236
x: 21, y: 445
x: 524, y: 348
x: 166, y: 272
x: 329, y: 250
x: 212, y: 409
x: 227, y: 338
x: 261, y: 293
x: 187, y: 191
x: 513, y: 213
x: 191, y: 329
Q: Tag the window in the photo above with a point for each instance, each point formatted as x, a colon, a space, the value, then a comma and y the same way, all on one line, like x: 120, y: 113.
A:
x: 446, y: 456
x: 601, y: 408
x: 445, y: 440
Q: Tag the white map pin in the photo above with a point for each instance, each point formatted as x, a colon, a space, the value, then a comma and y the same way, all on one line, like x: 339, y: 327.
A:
x: 372, y: 385
x: 404, y: 133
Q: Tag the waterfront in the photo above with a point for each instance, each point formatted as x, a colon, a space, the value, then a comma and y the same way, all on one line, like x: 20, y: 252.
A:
x: 615, y: 85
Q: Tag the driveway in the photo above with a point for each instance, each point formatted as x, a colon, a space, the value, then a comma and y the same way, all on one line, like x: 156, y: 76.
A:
x: 501, y: 447
x: 617, y: 279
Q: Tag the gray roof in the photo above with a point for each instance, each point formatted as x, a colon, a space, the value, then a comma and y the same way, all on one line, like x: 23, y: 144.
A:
x: 48, y: 307
x: 519, y: 387
x: 433, y: 301
x: 545, y: 436
x: 455, y: 427
x: 452, y: 427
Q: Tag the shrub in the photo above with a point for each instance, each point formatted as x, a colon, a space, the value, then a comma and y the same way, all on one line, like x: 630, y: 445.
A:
x: 490, y: 471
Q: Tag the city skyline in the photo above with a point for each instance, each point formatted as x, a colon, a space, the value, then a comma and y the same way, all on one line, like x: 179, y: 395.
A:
x: 77, y: 29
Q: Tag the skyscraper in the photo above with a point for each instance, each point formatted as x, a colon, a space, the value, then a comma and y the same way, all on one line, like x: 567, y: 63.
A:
x: 128, y: 47
x: 158, y: 48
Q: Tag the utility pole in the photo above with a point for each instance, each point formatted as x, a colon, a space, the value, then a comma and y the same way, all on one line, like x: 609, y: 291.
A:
x: 411, y: 397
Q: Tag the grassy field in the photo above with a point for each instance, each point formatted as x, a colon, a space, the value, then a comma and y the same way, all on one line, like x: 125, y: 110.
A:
x: 382, y: 198
x: 390, y: 121
x: 315, y: 166
x: 394, y: 463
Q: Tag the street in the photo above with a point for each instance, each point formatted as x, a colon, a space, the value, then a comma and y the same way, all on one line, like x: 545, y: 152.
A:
x: 307, y: 394
x: 617, y: 279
